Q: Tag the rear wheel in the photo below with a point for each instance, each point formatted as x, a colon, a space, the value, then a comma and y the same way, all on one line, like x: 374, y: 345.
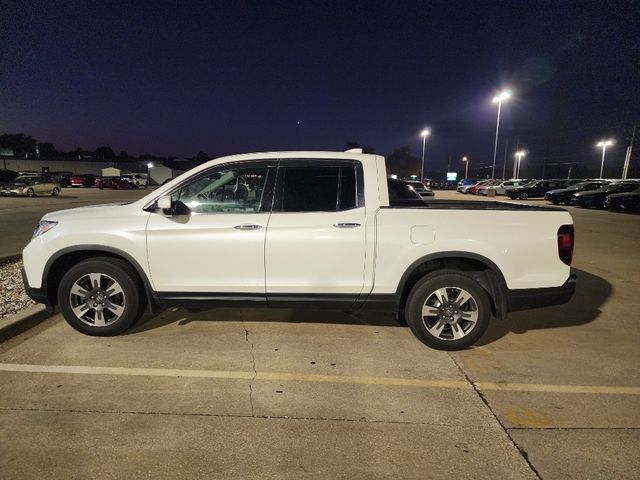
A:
x: 101, y: 296
x: 55, y: 192
x: 448, y: 310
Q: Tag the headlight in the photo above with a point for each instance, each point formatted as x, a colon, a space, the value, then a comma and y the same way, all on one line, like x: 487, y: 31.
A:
x: 43, y: 227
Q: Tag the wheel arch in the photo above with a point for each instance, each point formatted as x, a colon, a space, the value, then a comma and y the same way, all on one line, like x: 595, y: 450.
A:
x: 67, y: 257
x: 480, y: 268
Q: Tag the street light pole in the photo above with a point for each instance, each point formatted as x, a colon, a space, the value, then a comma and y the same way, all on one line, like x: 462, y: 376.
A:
x: 503, y: 96
x: 604, y: 144
x: 466, y: 166
x: 424, y: 134
x: 519, y: 154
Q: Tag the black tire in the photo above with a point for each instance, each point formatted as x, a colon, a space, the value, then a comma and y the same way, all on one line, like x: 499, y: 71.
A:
x: 55, y: 192
x: 424, y: 291
x: 133, y: 296
x: 31, y: 192
x: 523, y: 196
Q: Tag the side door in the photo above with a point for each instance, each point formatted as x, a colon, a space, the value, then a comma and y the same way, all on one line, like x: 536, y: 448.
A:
x: 215, y: 249
x: 315, y: 246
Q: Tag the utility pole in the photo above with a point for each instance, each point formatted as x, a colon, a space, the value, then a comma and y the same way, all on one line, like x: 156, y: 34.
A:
x: 627, y: 158
x: 515, y: 159
x: 504, y: 163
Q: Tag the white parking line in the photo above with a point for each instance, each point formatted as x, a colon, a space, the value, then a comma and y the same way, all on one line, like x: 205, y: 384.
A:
x: 302, y: 377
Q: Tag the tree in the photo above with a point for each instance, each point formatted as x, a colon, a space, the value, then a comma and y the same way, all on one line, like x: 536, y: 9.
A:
x: 202, y: 157
x: 104, y: 153
x: 47, y: 150
x: 18, y: 142
x: 123, y: 154
x: 365, y: 148
x: 403, y: 163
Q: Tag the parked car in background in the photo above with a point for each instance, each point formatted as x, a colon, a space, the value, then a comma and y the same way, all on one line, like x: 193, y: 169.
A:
x: 628, y: 201
x: 502, y: 187
x: 420, y: 188
x: 83, y: 180
x: 484, y: 189
x: 464, y: 185
x: 115, y: 183
x: 136, y: 179
x: 61, y: 178
x: 535, y: 189
x: 473, y: 189
x: 30, y: 186
x: 563, y: 195
x: 402, y: 194
x: 596, y: 198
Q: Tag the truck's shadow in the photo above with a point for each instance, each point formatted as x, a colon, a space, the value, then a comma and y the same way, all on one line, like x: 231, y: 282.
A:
x: 591, y: 292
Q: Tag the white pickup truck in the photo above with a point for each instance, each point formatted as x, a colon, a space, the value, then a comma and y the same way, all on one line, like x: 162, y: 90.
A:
x: 301, y: 230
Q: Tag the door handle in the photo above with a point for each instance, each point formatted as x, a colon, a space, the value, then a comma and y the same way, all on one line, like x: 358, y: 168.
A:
x: 346, y: 225
x: 248, y: 226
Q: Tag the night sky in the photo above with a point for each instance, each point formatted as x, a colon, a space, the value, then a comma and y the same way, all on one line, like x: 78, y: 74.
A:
x: 173, y: 78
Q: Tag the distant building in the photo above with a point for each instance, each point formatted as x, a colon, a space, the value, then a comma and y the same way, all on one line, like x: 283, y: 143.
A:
x: 113, y: 172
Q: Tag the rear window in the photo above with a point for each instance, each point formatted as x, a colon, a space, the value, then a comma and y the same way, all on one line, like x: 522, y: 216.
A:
x: 399, y: 190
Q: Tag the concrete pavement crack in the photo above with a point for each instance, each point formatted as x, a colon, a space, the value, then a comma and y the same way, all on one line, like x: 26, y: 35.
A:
x: 253, y: 364
x: 224, y: 415
x: 523, y: 453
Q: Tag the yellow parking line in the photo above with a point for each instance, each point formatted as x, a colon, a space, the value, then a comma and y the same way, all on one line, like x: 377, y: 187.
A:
x: 302, y: 377
x: 533, y: 387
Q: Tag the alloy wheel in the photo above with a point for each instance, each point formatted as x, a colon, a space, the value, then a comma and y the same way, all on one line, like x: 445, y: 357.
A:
x: 97, y: 299
x: 450, y: 313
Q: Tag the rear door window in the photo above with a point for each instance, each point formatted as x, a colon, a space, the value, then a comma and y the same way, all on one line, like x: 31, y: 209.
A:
x: 317, y: 188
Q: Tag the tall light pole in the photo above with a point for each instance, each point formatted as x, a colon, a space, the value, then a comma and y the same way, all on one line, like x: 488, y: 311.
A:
x: 519, y: 154
x: 501, y: 97
x: 603, y: 144
x: 466, y: 166
x: 424, y: 134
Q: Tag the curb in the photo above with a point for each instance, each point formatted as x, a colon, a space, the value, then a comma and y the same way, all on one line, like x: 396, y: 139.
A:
x: 14, y: 325
x: 10, y: 258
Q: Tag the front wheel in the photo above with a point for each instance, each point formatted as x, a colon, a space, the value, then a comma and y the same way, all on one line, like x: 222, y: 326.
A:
x: 523, y: 196
x: 101, y: 296
x: 55, y: 192
x: 448, y: 310
x: 31, y: 192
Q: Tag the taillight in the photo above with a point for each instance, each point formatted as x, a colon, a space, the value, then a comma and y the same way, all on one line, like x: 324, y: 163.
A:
x: 565, y: 243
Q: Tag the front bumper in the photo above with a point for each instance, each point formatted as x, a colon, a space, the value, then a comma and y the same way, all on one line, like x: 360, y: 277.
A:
x: 527, y: 298
x: 39, y: 295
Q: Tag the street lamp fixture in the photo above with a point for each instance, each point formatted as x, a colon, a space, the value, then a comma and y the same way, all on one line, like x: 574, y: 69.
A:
x: 466, y: 166
x: 519, y: 154
x: 424, y: 134
x: 501, y: 97
x: 603, y: 144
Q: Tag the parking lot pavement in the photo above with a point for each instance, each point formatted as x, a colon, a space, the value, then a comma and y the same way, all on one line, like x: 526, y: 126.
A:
x: 19, y: 215
x: 246, y: 393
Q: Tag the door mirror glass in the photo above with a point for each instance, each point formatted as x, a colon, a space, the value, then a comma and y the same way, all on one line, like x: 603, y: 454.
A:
x: 164, y: 202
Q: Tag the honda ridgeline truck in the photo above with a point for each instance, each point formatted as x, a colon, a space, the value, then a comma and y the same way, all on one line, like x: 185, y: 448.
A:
x: 301, y: 230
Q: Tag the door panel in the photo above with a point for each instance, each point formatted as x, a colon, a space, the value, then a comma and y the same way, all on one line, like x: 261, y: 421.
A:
x: 219, y: 246
x: 315, y: 243
x: 306, y: 253
x: 206, y: 253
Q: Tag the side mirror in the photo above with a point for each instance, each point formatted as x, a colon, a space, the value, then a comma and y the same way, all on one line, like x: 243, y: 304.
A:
x: 172, y: 208
x: 164, y: 202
